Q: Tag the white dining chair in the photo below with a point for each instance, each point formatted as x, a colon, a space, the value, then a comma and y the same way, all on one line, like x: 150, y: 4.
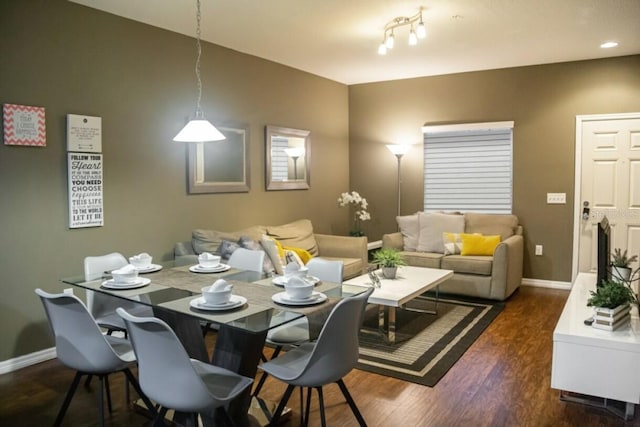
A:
x: 173, y: 380
x: 81, y: 345
x: 328, y: 360
x: 297, y: 332
x: 247, y: 259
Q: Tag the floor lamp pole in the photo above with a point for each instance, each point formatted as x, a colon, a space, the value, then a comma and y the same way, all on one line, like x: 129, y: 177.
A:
x: 399, y: 156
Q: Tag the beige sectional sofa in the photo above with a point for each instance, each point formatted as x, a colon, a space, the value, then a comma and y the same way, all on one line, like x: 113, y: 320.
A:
x: 299, y: 234
x: 495, y: 276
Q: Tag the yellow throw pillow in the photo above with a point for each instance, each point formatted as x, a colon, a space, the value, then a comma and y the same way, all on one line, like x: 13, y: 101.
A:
x: 303, y: 254
x: 477, y: 244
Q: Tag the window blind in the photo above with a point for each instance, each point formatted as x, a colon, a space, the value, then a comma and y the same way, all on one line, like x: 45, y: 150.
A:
x: 468, y: 169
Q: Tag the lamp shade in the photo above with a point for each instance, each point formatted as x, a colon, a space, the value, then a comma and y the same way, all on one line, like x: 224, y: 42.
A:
x: 294, y: 151
x: 199, y: 130
x: 398, y: 149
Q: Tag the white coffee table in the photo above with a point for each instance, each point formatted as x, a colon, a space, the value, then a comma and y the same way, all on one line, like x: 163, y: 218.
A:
x: 410, y: 282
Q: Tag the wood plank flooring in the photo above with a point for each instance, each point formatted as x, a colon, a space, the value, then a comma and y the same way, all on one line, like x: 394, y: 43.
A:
x: 504, y: 379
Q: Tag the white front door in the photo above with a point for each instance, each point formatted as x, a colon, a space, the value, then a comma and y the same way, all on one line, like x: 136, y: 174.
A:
x: 608, y: 180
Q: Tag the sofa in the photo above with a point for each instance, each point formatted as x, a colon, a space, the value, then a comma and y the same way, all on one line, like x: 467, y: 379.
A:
x: 484, y: 251
x: 296, y: 239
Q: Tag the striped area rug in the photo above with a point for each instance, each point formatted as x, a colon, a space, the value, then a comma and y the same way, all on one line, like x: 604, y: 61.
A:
x: 427, y: 345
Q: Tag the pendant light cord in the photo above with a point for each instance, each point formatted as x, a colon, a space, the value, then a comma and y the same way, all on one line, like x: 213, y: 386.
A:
x: 199, y: 114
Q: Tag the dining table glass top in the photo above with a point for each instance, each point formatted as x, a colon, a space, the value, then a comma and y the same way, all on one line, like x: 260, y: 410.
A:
x: 178, y: 289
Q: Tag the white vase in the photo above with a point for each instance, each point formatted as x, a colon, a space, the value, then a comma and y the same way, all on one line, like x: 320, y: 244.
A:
x: 620, y: 274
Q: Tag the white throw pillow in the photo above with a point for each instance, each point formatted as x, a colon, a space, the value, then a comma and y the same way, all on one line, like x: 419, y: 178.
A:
x: 271, y: 249
x: 410, y: 229
x: 432, y: 225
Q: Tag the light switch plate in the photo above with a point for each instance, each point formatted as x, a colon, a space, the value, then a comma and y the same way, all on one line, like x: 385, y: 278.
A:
x: 556, y: 198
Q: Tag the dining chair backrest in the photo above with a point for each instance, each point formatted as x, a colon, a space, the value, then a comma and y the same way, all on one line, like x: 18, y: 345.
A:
x: 326, y: 270
x: 337, y: 349
x: 95, y: 268
x: 247, y: 259
x: 165, y: 372
x: 79, y: 342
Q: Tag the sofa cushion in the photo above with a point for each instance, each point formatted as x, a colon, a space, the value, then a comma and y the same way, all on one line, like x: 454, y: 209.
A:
x: 480, y: 265
x: 409, y: 226
x: 298, y: 234
x: 432, y: 225
x: 477, y: 244
x: 210, y: 240
x: 504, y: 225
x: 422, y: 259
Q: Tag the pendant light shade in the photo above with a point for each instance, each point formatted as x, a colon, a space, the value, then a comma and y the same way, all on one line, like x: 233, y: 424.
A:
x: 198, y: 129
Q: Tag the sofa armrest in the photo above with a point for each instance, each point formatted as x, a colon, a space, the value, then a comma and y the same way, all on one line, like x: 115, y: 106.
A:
x: 393, y: 240
x: 342, y: 247
x: 506, y: 274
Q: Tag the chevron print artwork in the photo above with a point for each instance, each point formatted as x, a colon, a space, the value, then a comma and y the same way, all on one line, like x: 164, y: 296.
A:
x: 24, y: 125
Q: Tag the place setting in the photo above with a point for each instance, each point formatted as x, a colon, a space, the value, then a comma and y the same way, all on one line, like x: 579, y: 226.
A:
x: 125, y: 278
x: 218, y: 297
x: 298, y: 292
x: 293, y: 269
x: 142, y: 263
x: 209, y: 263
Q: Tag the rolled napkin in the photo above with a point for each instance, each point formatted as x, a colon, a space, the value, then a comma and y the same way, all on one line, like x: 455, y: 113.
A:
x: 141, y: 260
x: 296, y: 281
x: 206, y: 256
x: 220, y: 285
x: 141, y: 257
x: 125, y: 274
x: 125, y: 270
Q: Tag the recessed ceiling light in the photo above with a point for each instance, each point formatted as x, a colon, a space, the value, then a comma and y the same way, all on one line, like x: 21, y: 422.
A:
x: 608, y: 45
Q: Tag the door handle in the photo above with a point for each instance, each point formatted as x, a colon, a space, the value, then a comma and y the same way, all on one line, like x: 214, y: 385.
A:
x: 585, y: 211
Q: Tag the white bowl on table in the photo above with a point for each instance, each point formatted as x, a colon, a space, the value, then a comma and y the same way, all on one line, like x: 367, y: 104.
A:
x: 141, y: 261
x: 216, y: 297
x: 127, y: 274
x: 297, y: 288
x: 208, y: 260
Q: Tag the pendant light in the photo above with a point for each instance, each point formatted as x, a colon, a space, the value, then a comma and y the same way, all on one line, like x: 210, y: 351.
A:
x: 199, y: 129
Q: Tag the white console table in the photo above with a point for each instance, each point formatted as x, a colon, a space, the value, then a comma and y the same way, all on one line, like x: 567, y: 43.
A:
x: 595, y: 363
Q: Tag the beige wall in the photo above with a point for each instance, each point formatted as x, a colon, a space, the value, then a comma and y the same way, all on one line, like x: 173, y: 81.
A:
x: 140, y: 80
x: 542, y: 100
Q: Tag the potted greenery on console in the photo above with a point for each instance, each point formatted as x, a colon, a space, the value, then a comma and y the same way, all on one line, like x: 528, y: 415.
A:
x: 388, y: 259
x: 621, y: 265
x: 611, y: 302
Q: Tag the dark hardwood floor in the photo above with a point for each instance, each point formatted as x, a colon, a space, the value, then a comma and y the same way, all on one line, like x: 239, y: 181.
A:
x: 504, y: 379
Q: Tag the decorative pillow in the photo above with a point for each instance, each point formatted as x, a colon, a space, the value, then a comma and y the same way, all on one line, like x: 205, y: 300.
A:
x: 410, y: 228
x: 274, y: 251
x: 477, y: 244
x: 304, y: 255
x: 210, y: 240
x: 432, y: 225
x: 453, y: 243
x: 291, y: 256
x: 226, y: 248
x: 297, y: 234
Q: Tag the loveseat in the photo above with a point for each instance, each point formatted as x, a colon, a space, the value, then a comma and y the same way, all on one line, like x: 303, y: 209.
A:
x: 489, y: 267
x: 298, y: 235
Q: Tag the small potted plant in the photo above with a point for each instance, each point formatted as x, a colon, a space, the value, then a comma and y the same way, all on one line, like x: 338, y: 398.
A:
x: 621, y: 265
x: 388, y: 259
x: 612, y: 304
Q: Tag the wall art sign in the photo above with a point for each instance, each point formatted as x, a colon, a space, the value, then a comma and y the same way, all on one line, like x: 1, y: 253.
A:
x: 84, y: 133
x: 85, y: 190
x: 24, y: 125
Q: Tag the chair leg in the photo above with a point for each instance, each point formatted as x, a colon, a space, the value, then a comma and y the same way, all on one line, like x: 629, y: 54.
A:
x: 67, y: 399
x: 321, y: 399
x: 285, y: 398
x: 264, y: 375
x: 134, y: 382
x: 101, y: 399
x: 158, y: 421
x: 307, y: 410
x: 301, y: 406
x: 108, y: 390
x: 351, y: 402
x: 87, y: 382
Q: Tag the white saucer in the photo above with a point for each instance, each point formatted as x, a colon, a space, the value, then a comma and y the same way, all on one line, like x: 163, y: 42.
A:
x: 234, y: 302
x: 315, y: 298
x: 138, y: 283
x: 217, y: 269
x: 281, y: 280
x: 151, y: 268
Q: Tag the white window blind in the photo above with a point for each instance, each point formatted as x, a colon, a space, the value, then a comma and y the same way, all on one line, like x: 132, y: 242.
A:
x: 468, y: 167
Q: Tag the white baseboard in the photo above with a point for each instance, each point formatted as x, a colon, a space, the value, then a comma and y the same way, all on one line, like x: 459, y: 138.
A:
x: 11, y: 365
x: 546, y: 284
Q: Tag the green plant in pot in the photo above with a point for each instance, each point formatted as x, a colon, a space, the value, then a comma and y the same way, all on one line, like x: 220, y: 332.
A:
x: 388, y: 259
x: 611, y: 294
x: 621, y: 265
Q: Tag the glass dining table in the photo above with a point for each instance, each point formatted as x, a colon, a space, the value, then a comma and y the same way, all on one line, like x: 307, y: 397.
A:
x: 173, y: 293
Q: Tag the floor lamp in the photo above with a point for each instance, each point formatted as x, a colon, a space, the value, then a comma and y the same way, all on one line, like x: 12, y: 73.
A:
x: 295, y: 153
x: 399, y: 151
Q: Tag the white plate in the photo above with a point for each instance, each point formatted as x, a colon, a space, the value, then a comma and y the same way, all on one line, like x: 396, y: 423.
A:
x: 315, y: 298
x: 138, y: 283
x: 234, y: 302
x: 151, y: 268
x: 217, y: 269
x: 281, y: 281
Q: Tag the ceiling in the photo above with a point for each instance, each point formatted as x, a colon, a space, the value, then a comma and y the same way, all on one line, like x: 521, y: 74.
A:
x: 338, y: 39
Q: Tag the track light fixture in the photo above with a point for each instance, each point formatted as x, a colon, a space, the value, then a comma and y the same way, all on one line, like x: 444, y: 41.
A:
x: 419, y: 32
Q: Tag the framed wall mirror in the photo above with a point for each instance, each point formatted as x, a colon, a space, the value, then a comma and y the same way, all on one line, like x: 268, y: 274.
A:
x: 288, y: 155
x: 220, y: 166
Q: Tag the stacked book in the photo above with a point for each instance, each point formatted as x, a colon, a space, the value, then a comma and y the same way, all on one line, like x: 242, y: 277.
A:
x: 611, y: 319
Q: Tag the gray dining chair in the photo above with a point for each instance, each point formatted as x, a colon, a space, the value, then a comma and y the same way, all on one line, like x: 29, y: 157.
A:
x: 297, y: 332
x: 81, y: 345
x: 328, y: 360
x: 173, y: 380
x: 247, y: 259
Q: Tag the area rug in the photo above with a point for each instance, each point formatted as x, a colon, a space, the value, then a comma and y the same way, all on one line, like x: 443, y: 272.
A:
x: 427, y: 345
